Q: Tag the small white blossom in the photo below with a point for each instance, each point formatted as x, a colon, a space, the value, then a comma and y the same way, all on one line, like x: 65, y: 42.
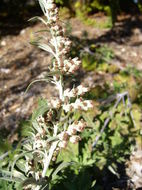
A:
x: 82, y: 105
x: 81, y: 90
x: 88, y: 103
x: 75, y: 139
x: 55, y: 103
x: 62, y: 144
x: 81, y: 126
x: 63, y: 136
x: 71, y: 130
x: 67, y: 107
x: 76, y: 61
x: 69, y: 93
x: 39, y: 144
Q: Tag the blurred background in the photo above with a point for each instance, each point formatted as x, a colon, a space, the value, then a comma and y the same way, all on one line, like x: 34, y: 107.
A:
x: 107, y: 36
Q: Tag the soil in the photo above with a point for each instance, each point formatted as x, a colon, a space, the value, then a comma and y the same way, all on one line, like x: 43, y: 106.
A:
x: 21, y: 63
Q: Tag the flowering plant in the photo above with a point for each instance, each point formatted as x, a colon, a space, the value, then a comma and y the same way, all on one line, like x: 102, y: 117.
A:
x: 53, y: 124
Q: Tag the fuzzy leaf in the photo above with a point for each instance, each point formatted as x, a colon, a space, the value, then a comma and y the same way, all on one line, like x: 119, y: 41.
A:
x: 42, y: 108
x: 38, y: 18
x: 60, y: 167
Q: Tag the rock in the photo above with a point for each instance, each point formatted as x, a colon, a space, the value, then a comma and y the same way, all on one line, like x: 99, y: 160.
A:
x: 134, y: 169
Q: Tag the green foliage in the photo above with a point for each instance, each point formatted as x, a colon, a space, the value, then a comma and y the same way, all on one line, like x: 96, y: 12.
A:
x: 82, y: 12
x: 98, y: 59
x: 88, y: 165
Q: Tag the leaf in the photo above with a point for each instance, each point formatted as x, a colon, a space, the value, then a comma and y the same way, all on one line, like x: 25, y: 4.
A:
x: 15, y: 176
x: 93, y: 183
x: 41, y: 31
x: 52, y: 139
x: 21, y: 164
x: 42, y: 108
x: 38, y: 18
x: 29, y: 181
x: 45, y: 47
x: 60, y: 167
x: 42, y: 5
x: 89, y: 120
x: 16, y: 159
x: 113, y: 171
x: 39, y: 80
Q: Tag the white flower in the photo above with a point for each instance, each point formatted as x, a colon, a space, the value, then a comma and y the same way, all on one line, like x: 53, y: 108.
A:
x: 40, y: 119
x: 69, y: 93
x: 82, y: 105
x: 67, y: 107
x: 89, y: 104
x: 63, y: 136
x: 68, y: 43
x: 39, y: 144
x: 55, y: 103
x: 81, y: 126
x: 73, y: 68
x: 75, y: 139
x: 71, y: 130
x: 76, y: 61
x: 81, y: 90
x: 62, y: 144
x: 55, y: 28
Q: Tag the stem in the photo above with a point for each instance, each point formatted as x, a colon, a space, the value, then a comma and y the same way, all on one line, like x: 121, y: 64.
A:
x: 119, y: 98
x: 49, y: 157
x: 61, y: 88
x: 50, y: 154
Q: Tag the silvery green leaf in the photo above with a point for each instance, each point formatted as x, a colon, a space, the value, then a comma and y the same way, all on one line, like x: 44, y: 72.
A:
x: 38, y: 80
x: 35, y: 125
x: 38, y: 18
x: 60, y: 167
x: 21, y: 164
x: 18, y: 175
x: 42, y: 108
x: 29, y: 181
x: 42, y: 5
x: 113, y: 171
x: 14, y: 176
x: 17, y: 157
x: 45, y: 47
x: 52, y: 139
x: 45, y: 30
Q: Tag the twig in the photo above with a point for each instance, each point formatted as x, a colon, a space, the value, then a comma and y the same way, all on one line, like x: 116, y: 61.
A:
x: 119, y: 97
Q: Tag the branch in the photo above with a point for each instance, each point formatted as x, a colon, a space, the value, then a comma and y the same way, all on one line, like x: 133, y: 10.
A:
x: 119, y: 97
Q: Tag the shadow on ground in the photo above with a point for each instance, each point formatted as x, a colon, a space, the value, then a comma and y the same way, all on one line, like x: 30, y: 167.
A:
x: 14, y: 17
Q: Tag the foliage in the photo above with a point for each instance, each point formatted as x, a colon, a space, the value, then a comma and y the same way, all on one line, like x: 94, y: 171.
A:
x: 97, y: 57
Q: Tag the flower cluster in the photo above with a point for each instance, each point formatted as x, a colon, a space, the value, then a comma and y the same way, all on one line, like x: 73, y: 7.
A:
x: 50, y: 10
x: 55, y: 103
x: 79, y: 104
x: 71, y: 133
x: 79, y: 91
x: 59, y: 42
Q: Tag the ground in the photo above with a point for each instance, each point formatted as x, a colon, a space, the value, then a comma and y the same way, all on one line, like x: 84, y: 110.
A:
x: 21, y: 63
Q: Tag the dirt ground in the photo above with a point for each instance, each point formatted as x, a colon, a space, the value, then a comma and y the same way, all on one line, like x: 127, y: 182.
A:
x: 21, y: 63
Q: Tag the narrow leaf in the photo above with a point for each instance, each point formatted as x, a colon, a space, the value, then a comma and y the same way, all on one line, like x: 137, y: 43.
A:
x: 60, y: 167
x: 38, y: 18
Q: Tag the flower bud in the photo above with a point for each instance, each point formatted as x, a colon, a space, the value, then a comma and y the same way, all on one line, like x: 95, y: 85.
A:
x: 75, y: 139
x: 71, y: 130
x: 67, y: 107
x: 63, y: 136
x: 62, y: 144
